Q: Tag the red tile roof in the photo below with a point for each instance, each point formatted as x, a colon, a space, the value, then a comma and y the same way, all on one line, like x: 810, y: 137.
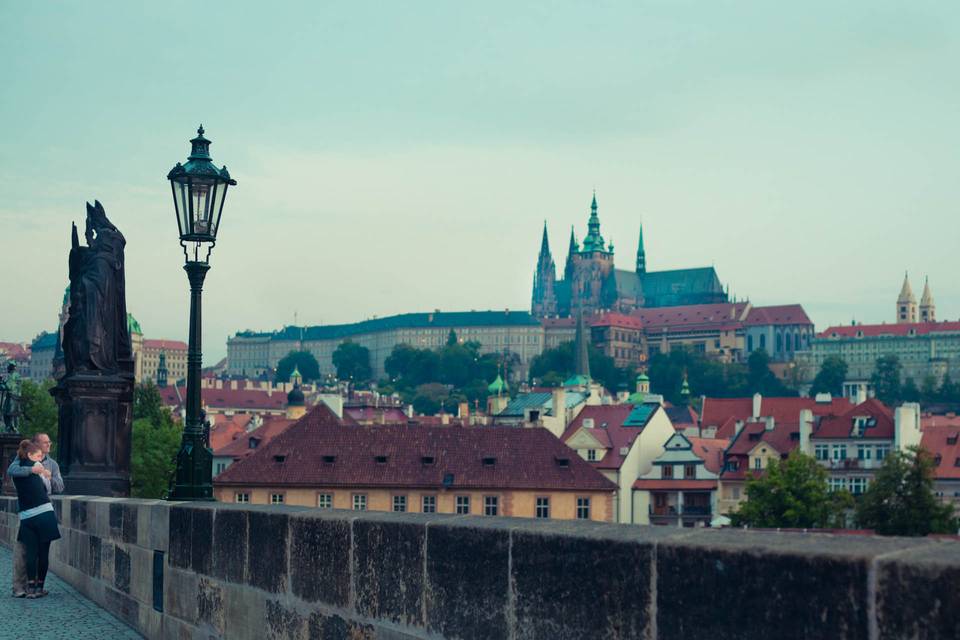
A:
x: 945, y: 443
x: 717, y: 411
x: 225, y: 429
x: 780, y: 314
x: 726, y: 315
x: 874, y: 330
x: 524, y: 458
x: 166, y: 345
x: 674, y: 485
x: 619, y: 436
x: 779, y: 438
x: 241, y: 399
x: 949, y: 420
x: 841, y: 426
x: 710, y: 450
x: 14, y: 351
x: 615, y: 320
x: 240, y: 446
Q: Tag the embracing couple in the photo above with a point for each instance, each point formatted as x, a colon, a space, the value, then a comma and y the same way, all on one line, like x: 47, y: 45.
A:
x: 36, y: 475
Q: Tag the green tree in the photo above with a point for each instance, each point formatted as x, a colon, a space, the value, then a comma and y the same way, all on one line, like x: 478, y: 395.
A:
x: 760, y: 379
x: 429, y: 398
x: 909, y: 391
x: 949, y: 390
x: 886, y: 379
x: 451, y: 338
x: 155, y: 442
x: 303, y: 361
x: 352, y: 362
x: 900, y: 500
x: 830, y: 378
x: 928, y: 389
x: 39, y: 412
x: 792, y: 493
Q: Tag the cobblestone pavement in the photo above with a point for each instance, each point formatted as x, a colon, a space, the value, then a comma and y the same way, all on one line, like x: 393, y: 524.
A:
x: 65, y: 613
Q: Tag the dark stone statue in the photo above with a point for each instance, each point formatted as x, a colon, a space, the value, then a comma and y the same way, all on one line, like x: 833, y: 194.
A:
x: 96, y: 338
x: 95, y: 394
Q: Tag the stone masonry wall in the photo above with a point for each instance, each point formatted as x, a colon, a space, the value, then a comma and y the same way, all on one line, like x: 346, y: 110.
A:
x: 248, y: 571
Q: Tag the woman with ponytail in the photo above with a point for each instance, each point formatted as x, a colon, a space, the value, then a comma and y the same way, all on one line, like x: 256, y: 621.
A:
x: 38, y: 523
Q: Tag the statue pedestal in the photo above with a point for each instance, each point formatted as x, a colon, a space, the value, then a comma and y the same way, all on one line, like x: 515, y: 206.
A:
x: 9, y: 443
x: 96, y: 414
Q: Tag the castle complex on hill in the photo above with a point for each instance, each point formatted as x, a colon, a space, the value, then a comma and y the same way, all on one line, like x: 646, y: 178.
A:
x: 591, y: 281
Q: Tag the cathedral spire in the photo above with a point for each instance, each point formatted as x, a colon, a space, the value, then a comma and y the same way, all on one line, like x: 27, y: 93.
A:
x: 641, y: 254
x: 571, y: 250
x: 593, y: 241
x: 928, y: 309
x: 545, y: 243
x: 906, y: 303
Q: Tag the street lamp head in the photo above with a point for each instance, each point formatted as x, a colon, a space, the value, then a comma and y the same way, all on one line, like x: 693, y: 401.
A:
x: 199, y: 191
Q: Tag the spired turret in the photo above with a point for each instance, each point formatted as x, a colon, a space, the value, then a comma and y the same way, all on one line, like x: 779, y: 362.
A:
x: 544, y: 300
x: 907, y: 311
x: 928, y: 310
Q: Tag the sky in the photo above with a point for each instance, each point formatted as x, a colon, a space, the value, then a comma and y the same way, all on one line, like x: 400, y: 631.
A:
x: 399, y: 157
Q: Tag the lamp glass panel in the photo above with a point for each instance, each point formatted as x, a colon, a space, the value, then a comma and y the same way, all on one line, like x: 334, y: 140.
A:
x: 219, y: 196
x: 201, y: 201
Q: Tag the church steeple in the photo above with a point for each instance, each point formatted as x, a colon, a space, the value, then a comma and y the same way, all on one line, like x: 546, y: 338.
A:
x: 928, y: 310
x: 593, y: 241
x: 571, y: 250
x: 641, y: 255
x: 544, y: 301
x: 580, y: 346
x: 544, y: 243
x: 906, y: 303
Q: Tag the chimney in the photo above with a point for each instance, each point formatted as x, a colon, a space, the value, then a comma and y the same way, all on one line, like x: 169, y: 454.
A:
x: 806, y: 430
x: 757, y: 402
x: 768, y: 423
x: 464, y: 410
x: 409, y: 411
x: 560, y: 404
x: 906, y: 426
x: 861, y: 393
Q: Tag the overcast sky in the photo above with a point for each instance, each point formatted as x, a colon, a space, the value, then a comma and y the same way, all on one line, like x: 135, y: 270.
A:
x: 396, y: 157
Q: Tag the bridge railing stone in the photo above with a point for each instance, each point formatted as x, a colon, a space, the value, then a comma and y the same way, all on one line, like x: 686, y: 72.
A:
x: 186, y: 570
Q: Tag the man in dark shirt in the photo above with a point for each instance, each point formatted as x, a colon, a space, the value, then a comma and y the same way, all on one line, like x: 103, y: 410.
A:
x: 55, y: 485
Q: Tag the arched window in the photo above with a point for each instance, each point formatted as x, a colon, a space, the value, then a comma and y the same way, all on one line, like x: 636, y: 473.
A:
x: 796, y: 342
x: 779, y: 342
x: 763, y: 341
x: 749, y: 344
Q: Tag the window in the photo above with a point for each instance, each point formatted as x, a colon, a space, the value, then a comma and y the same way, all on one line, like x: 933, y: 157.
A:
x: 276, y: 498
x: 429, y: 504
x: 821, y: 452
x: 583, y: 508
x: 836, y: 484
x: 858, y: 485
x: 359, y: 502
x: 689, y: 471
x: 592, y: 455
x: 543, y: 507
x: 325, y: 500
x: 463, y: 505
x: 491, y: 505
x: 864, y: 452
x: 399, y: 504
x: 763, y: 341
x: 750, y: 344
x: 667, y: 471
x: 241, y: 497
x: 736, y: 493
x: 220, y: 467
x: 882, y: 452
x: 839, y: 452
x: 758, y: 463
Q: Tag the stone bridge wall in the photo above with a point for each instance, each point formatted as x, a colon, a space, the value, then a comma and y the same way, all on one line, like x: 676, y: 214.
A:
x: 177, y: 570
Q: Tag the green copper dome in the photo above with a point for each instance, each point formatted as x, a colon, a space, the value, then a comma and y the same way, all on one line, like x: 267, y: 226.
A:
x: 498, y: 386
x: 133, y: 326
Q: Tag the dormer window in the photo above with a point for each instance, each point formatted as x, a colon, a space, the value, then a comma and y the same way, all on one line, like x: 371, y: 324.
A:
x: 253, y: 443
x: 426, y: 460
x: 754, y: 437
x: 329, y: 459
x: 279, y: 458
x: 380, y: 459
x: 489, y: 461
x: 952, y: 438
x: 563, y: 462
x: 937, y: 459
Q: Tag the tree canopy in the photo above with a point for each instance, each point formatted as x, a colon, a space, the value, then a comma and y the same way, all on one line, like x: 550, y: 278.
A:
x: 352, y: 362
x: 900, y: 500
x: 555, y: 365
x: 830, y: 378
x: 303, y: 361
x: 792, y: 493
x: 431, y: 379
x: 39, y: 412
x: 155, y: 442
x: 886, y: 379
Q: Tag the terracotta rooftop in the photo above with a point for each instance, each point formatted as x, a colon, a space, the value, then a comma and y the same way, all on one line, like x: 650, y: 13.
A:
x: 874, y: 330
x: 240, y: 447
x: 686, y: 318
x: 239, y: 399
x: 943, y: 443
x: 166, y: 345
x: 779, y: 314
x: 842, y: 426
x: 715, y: 412
x: 320, y: 451
x: 784, y: 438
x: 710, y: 450
x: 224, y: 429
x: 608, y: 426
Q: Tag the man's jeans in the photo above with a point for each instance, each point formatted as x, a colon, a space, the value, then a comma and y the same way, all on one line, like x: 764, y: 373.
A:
x: 19, y: 568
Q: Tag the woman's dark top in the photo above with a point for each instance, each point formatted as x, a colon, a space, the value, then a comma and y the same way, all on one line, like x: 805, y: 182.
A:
x: 31, y: 492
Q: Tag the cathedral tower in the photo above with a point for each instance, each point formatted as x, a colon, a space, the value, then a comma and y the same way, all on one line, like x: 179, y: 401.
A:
x: 641, y: 255
x: 928, y: 310
x: 906, y: 303
x: 544, y: 301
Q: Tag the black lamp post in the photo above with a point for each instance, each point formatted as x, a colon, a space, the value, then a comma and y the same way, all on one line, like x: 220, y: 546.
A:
x: 199, y: 191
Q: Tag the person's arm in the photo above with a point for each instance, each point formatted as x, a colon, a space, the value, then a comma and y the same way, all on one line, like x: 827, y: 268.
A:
x: 15, y: 470
x: 56, y: 480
